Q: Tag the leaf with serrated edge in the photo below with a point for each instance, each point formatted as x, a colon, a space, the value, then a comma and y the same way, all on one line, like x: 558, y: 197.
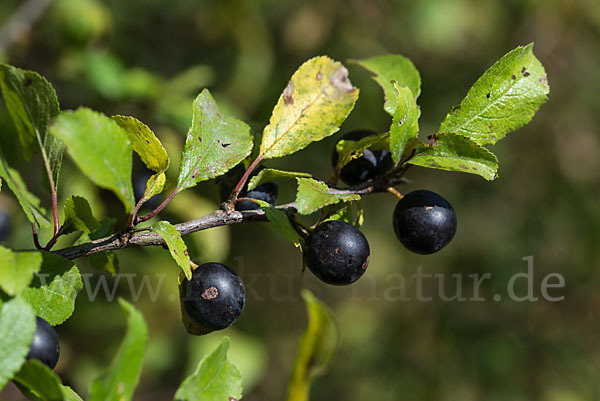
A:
x: 17, y: 326
x: 118, y: 382
x: 32, y: 104
x: 313, y: 105
x: 505, y: 98
x: 215, y: 379
x: 144, y: 143
x: 17, y: 269
x: 348, y: 150
x: 316, y: 349
x: 405, y: 124
x: 457, y: 153
x: 176, y: 245
x: 390, y: 68
x: 78, y: 216
x: 29, y: 202
x: 313, y: 195
x: 100, y: 148
x: 270, y: 174
x: 281, y: 222
x: 215, y: 143
x: 53, y: 291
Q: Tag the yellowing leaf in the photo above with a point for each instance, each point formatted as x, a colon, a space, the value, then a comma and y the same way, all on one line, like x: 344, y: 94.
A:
x: 313, y: 105
x: 144, y: 143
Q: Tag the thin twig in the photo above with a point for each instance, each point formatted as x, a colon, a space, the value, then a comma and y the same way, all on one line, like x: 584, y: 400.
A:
x: 158, y: 209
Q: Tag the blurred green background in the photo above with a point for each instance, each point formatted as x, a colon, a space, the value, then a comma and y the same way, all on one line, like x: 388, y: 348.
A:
x: 149, y: 59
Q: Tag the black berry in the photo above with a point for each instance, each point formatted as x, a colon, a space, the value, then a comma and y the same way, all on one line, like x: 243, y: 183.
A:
x: 337, y: 253
x: 424, y: 222
x: 267, y: 191
x: 45, y: 346
x: 5, y: 225
x: 213, y: 299
x: 371, y: 164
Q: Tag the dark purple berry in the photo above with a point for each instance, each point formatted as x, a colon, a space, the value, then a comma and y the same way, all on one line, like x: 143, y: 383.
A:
x: 5, y: 225
x: 371, y: 164
x: 213, y: 299
x: 45, y: 346
x: 337, y: 252
x: 265, y: 192
x: 424, y: 222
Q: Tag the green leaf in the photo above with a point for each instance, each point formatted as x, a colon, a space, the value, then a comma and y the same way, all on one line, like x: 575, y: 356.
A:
x: 32, y: 104
x: 17, y: 326
x: 17, y: 269
x: 344, y: 212
x: 505, y: 98
x: 29, y: 202
x: 38, y: 382
x: 313, y: 195
x: 270, y: 174
x: 457, y: 153
x: 119, y: 381
x: 145, y: 143
x: 312, y: 106
x: 106, y: 261
x: 215, y: 143
x: 390, y: 68
x: 53, y: 291
x: 315, y: 350
x: 100, y: 148
x: 176, y: 245
x: 405, y: 124
x: 281, y: 223
x: 215, y: 379
x: 349, y: 150
x: 104, y: 230
x: 78, y: 216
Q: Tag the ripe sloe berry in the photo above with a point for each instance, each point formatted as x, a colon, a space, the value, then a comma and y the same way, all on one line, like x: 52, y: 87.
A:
x: 371, y: 164
x: 337, y: 252
x: 213, y: 299
x: 424, y: 222
x: 5, y: 225
x: 267, y: 191
x: 45, y: 346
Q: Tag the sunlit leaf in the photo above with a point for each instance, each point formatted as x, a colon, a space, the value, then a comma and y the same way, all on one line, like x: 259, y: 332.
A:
x: 312, y: 195
x: 144, y: 143
x: 176, y: 245
x: 17, y: 269
x: 313, y: 105
x: 405, y: 124
x: 505, y: 98
x: 270, y: 174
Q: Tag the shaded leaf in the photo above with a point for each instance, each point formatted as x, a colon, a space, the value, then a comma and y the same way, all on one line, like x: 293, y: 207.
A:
x: 100, y: 148
x: 312, y: 195
x: 107, y: 261
x: 315, y: 350
x: 281, y: 223
x: 270, y: 174
x: 344, y: 212
x: 176, y: 245
x: 505, y: 98
x: 119, y: 381
x: 348, y: 150
x: 405, y: 124
x: 54, y: 288
x: 313, y: 105
x: 457, y: 153
x: 215, y: 143
x: 390, y: 68
x: 17, y: 269
x: 29, y: 202
x: 78, y: 216
x: 144, y: 143
x: 38, y: 382
x: 32, y: 104
x: 17, y: 326
x: 215, y: 379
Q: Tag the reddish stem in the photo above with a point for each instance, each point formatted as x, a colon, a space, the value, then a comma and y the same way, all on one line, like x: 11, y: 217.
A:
x: 240, y: 185
x: 159, y: 208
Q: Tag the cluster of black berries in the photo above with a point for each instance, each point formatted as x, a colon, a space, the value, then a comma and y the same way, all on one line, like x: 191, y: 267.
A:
x: 336, y: 252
